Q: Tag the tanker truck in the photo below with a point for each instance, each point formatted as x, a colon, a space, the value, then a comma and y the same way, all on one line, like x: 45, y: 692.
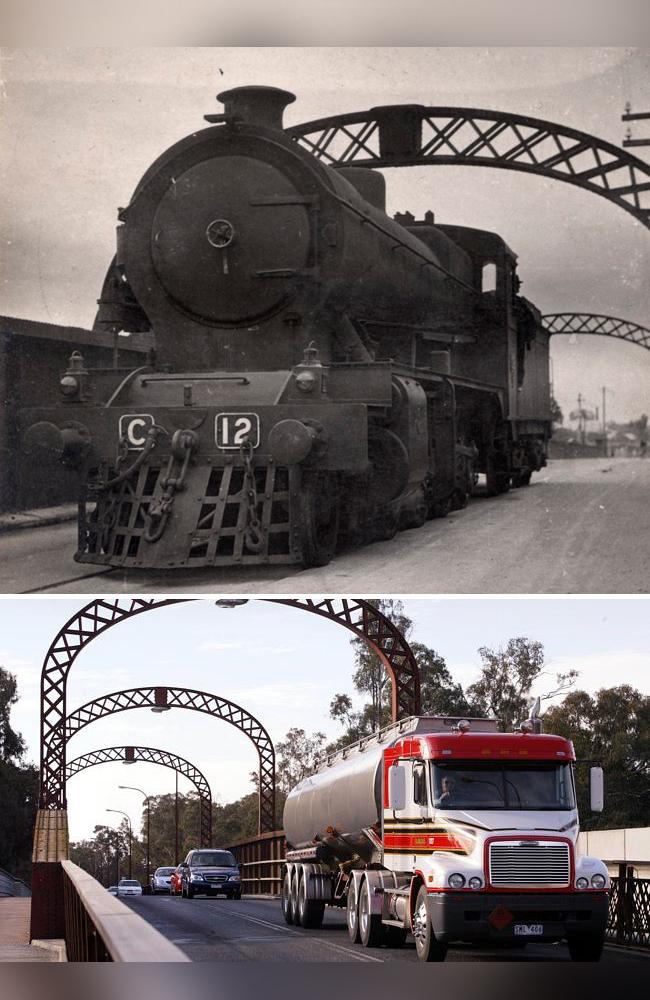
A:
x: 447, y: 829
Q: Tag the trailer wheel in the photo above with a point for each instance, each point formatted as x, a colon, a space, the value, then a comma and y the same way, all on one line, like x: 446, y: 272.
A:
x: 310, y: 911
x: 585, y: 947
x: 371, y: 930
x: 427, y: 947
x: 293, y: 898
x: 285, y: 899
x: 352, y: 914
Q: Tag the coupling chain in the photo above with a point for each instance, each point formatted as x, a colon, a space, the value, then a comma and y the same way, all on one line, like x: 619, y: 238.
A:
x: 184, y: 444
x: 253, y: 530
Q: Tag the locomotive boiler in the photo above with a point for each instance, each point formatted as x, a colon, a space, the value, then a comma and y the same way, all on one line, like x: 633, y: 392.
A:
x: 323, y: 374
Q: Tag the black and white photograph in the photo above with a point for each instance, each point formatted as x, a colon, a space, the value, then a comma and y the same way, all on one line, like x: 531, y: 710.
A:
x: 258, y: 338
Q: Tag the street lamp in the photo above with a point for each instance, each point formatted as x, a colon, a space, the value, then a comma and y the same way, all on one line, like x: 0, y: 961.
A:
x: 132, y: 788
x: 130, y: 837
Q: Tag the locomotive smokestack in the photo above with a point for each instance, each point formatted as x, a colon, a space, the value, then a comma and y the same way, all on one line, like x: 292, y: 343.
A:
x: 257, y: 105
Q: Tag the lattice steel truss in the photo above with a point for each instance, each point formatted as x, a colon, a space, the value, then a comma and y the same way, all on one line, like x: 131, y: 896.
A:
x: 96, y: 617
x: 405, y: 135
x: 601, y: 326
x: 150, y: 755
x: 198, y: 701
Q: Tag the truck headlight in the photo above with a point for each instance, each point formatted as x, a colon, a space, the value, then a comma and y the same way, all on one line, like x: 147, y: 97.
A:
x: 456, y: 880
x: 582, y: 882
x: 598, y: 881
x: 475, y: 882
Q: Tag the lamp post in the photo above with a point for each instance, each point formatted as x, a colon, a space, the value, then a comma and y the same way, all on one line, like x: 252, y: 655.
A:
x: 130, y: 837
x: 132, y: 788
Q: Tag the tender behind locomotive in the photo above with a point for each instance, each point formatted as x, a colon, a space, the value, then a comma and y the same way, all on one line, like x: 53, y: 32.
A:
x: 322, y: 372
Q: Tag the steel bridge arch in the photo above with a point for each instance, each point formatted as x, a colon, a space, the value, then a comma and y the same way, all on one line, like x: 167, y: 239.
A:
x: 164, y: 697
x: 403, y: 135
x: 357, y: 615
x: 597, y: 325
x: 150, y: 755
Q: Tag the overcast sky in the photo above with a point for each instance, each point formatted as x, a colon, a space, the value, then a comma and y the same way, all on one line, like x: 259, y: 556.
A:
x: 283, y: 666
x: 80, y: 126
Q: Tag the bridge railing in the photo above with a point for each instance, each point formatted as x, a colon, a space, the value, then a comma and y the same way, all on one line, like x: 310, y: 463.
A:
x: 11, y: 886
x: 628, y: 922
x: 261, y: 860
x: 100, y: 928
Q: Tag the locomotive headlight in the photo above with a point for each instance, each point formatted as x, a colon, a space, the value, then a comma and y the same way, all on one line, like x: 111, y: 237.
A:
x: 598, y: 881
x: 305, y: 381
x: 582, y: 882
x: 69, y: 385
x: 456, y: 880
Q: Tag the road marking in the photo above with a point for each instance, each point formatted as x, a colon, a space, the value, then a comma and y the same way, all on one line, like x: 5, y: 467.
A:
x: 360, y: 957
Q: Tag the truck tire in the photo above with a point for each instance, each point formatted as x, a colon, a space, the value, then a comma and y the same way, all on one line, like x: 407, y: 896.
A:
x: 285, y: 899
x: 427, y: 947
x: 293, y: 899
x: 310, y: 911
x: 352, y: 913
x: 371, y: 930
x: 585, y: 947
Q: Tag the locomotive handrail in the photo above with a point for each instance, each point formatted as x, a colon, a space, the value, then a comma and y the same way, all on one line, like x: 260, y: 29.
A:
x: 407, y: 135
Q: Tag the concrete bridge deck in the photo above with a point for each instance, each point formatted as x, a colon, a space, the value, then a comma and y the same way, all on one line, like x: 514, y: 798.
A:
x: 14, y: 934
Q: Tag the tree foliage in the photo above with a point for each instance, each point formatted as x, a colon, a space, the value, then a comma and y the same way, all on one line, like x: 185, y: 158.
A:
x: 19, y: 788
x: 611, y: 729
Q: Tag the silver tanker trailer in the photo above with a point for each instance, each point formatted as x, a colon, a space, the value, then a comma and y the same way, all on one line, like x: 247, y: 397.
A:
x: 450, y: 830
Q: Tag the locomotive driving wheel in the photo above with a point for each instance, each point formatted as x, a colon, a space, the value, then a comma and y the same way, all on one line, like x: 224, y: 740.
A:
x: 318, y: 518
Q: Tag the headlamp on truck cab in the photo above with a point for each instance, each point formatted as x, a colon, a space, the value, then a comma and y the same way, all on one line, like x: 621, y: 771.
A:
x: 456, y: 880
x: 598, y: 881
x: 582, y: 882
x: 476, y: 882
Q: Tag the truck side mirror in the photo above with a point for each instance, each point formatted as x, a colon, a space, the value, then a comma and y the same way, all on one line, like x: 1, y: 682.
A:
x: 396, y: 787
x: 596, y: 789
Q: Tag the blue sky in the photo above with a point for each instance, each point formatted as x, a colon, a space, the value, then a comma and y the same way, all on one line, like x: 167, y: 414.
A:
x: 283, y: 666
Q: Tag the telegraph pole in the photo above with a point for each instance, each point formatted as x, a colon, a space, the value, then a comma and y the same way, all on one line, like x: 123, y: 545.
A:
x: 176, y: 823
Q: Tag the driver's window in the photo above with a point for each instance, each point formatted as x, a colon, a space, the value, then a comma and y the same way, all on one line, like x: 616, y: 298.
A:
x: 419, y: 784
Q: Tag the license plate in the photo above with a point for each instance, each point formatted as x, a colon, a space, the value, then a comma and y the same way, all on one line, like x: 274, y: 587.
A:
x: 232, y: 430
x: 528, y: 930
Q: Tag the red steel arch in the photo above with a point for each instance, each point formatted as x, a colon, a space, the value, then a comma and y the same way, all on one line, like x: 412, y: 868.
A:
x: 403, y: 135
x: 150, y: 755
x: 162, y: 698
x: 357, y: 615
x: 598, y: 325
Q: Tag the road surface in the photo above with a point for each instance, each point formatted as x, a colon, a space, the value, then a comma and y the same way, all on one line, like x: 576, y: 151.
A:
x: 582, y: 526
x: 253, y: 929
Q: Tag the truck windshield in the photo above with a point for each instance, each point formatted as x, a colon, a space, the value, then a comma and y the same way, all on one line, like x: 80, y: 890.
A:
x: 503, y: 786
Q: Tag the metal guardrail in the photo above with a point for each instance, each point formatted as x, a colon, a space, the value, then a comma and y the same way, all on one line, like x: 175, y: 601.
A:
x: 100, y: 928
x: 261, y: 859
x: 628, y: 921
x: 10, y: 886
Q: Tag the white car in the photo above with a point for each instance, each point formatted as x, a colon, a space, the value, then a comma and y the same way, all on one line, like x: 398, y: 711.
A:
x: 160, y: 880
x: 129, y: 887
x: 113, y: 890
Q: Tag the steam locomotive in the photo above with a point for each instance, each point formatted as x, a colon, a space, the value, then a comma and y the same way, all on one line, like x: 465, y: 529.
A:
x: 322, y: 374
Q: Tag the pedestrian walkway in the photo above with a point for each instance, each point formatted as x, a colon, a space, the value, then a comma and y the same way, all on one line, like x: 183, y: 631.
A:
x: 40, y: 517
x: 14, y: 934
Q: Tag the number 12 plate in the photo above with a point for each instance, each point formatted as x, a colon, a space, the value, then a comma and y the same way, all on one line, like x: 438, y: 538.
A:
x: 231, y: 430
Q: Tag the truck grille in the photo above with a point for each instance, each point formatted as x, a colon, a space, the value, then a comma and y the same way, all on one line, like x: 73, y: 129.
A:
x: 529, y: 863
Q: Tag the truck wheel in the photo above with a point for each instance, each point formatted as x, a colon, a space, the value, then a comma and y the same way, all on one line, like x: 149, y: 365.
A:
x: 310, y: 911
x: 293, y: 899
x: 427, y: 947
x: 585, y: 947
x: 371, y: 930
x: 285, y: 899
x: 352, y: 914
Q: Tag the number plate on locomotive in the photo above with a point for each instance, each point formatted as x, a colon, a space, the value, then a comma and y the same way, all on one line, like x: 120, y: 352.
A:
x: 528, y: 930
x: 232, y: 430
x: 133, y: 429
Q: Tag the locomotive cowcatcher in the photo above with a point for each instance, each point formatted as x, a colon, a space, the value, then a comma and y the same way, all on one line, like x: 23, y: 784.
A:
x: 323, y: 374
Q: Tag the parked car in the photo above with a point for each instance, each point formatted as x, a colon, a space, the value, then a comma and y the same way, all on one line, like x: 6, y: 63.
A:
x: 175, y: 882
x: 113, y: 890
x: 129, y: 887
x: 210, y: 873
x: 160, y: 880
